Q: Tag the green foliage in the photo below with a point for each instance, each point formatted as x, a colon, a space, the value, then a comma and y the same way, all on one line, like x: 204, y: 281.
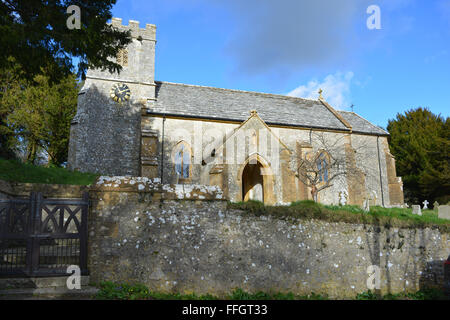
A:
x: 125, y: 291
x: 38, y: 114
x: 420, y: 143
x: 111, y: 291
x: 368, y: 295
x: 307, y: 207
x: 239, y: 294
x: 255, y: 207
x: 35, y: 33
x: 13, y: 170
x: 8, y: 77
x: 443, y: 200
x: 378, y: 216
x: 425, y: 294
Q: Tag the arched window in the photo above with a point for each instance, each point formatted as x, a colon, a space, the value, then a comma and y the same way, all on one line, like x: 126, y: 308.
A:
x: 182, y: 160
x: 322, y: 167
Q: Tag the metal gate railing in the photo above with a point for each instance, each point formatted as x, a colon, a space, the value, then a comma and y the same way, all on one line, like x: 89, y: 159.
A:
x: 42, y: 237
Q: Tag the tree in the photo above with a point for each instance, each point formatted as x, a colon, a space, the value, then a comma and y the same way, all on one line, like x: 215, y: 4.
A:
x: 332, y: 160
x: 35, y: 34
x: 8, y: 78
x: 420, y: 142
x: 40, y: 113
x: 319, y: 169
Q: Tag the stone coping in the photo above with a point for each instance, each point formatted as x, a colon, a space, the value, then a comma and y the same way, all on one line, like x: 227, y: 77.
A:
x: 167, y: 191
x: 116, y: 184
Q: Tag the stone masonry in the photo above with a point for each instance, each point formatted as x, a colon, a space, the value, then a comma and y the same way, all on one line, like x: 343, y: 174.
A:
x: 167, y: 238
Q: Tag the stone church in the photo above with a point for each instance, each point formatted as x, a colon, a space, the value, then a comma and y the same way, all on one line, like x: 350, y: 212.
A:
x: 252, y: 145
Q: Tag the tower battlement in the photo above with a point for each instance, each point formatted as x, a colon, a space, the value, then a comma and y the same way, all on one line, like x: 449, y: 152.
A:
x: 147, y: 33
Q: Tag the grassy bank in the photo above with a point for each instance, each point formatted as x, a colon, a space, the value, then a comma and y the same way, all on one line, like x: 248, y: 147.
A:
x: 383, y: 217
x: 123, y: 291
x: 16, y: 171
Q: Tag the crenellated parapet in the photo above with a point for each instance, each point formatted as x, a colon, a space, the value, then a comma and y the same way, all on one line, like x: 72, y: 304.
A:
x: 147, y: 33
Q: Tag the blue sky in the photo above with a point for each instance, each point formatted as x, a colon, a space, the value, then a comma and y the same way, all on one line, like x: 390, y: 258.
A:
x: 297, y: 46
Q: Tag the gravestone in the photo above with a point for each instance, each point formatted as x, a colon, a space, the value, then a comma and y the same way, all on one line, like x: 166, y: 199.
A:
x: 425, y: 204
x: 435, y: 205
x: 366, y: 205
x: 343, y: 196
x: 444, y: 212
x: 369, y: 197
x: 416, y: 210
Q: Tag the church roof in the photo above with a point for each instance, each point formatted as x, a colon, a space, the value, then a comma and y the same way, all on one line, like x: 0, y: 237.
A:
x: 359, y: 124
x: 173, y: 99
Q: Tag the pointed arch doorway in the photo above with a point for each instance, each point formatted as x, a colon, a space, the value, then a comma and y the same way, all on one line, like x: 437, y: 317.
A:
x: 257, y: 180
x: 253, y: 182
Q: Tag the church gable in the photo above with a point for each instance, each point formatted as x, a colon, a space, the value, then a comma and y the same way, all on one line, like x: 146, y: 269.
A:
x: 253, y: 136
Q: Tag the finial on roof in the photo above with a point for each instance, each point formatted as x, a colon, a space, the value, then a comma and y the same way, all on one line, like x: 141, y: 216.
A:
x: 320, y: 93
x: 253, y: 112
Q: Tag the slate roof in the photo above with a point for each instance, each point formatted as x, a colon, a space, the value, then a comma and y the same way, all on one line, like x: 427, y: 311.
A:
x: 359, y: 124
x: 191, y: 101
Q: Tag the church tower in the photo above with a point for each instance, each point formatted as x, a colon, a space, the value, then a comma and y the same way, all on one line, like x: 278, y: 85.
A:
x: 105, y: 134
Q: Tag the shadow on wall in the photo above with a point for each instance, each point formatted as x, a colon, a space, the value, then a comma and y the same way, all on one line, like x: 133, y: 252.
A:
x: 114, y: 126
x: 382, y: 240
x: 432, y: 276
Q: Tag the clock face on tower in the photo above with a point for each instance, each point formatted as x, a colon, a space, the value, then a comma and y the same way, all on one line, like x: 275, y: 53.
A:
x: 120, y: 92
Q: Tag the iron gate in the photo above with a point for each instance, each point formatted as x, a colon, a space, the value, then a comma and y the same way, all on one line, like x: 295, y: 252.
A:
x: 42, y: 237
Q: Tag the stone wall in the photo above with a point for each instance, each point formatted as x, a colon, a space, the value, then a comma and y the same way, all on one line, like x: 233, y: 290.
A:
x: 182, y: 238
x: 177, y: 238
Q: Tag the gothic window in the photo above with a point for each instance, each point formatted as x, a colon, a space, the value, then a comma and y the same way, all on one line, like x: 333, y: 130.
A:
x: 182, y: 160
x: 322, y: 167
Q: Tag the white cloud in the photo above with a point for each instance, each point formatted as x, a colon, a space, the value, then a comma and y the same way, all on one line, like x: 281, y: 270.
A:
x: 336, y: 90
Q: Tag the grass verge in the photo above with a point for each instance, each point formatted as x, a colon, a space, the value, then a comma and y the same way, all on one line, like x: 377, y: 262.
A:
x: 12, y: 170
x: 378, y: 216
